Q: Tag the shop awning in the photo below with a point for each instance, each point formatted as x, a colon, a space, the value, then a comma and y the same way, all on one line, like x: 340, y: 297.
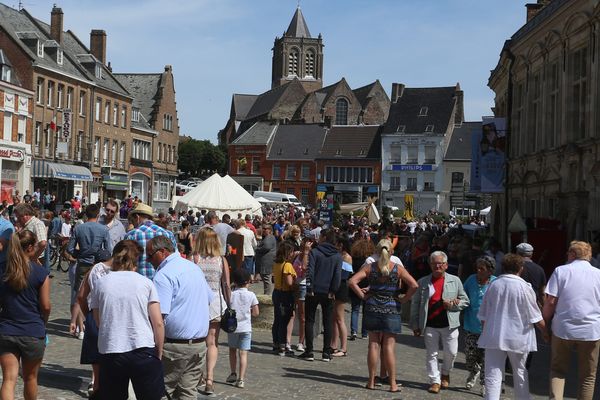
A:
x: 47, y: 169
x: 115, y: 182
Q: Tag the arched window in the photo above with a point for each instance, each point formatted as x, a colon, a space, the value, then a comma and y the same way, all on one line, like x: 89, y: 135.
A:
x: 293, y: 62
x: 309, y: 64
x: 341, y: 112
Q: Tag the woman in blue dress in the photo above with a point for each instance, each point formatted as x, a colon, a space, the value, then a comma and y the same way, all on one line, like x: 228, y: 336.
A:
x: 383, y: 309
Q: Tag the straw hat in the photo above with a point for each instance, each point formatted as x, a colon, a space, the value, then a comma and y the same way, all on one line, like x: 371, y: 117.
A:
x: 142, y: 208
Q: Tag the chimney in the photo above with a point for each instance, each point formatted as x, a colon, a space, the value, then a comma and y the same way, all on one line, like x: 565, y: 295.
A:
x: 98, y: 44
x: 56, y: 24
x: 397, y: 91
x: 533, y: 9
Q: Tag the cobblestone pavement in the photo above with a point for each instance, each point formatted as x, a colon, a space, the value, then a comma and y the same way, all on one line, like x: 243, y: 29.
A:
x: 273, y: 377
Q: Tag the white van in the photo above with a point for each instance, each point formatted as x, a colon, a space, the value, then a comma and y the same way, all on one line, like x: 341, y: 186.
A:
x: 276, y: 197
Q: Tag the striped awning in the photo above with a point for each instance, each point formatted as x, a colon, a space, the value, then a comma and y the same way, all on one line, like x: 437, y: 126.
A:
x: 47, y: 169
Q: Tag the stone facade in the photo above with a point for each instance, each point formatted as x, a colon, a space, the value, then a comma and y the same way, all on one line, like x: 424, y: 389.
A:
x: 547, y: 84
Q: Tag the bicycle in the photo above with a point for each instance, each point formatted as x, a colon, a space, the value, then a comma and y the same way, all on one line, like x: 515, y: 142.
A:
x: 56, y: 256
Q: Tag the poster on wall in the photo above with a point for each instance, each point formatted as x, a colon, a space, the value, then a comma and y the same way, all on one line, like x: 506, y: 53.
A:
x: 488, y: 157
x: 7, y: 188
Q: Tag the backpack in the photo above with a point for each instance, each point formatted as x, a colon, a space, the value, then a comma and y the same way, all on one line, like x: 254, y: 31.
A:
x: 229, y: 320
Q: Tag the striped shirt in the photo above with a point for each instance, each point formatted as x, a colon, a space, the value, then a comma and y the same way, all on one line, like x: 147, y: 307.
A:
x: 143, y: 234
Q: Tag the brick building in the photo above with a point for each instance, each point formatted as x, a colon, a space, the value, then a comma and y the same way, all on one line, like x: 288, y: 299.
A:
x: 89, y: 131
x: 16, y: 121
x: 155, y: 117
x: 285, y: 128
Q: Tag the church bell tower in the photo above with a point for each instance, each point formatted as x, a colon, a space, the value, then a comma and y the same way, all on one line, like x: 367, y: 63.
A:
x: 298, y: 55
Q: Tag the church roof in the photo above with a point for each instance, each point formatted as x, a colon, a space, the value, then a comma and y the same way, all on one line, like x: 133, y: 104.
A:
x: 422, y: 110
x: 242, y: 103
x: 459, y: 148
x: 298, y: 27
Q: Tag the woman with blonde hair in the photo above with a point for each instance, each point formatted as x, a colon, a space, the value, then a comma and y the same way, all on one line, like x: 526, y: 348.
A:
x: 207, y: 255
x: 25, y: 291
x: 383, y: 308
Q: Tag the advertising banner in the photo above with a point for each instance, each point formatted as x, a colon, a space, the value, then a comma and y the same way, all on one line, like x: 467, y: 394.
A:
x: 488, y: 156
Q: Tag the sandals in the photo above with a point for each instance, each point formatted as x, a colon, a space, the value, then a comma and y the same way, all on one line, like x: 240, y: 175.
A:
x: 339, y: 353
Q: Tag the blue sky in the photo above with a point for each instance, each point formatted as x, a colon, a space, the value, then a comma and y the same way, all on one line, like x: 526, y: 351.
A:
x: 220, y: 47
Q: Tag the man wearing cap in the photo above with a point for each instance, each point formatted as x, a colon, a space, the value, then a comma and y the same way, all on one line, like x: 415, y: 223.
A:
x: 145, y: 229
x: 532, y: 273
x: 184, y: 299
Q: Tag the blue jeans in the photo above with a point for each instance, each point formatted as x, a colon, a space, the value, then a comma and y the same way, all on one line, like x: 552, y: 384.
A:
x: 356, y: 305
x: 249, y: 264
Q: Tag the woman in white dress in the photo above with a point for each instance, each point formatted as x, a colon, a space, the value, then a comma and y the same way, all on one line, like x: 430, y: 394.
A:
x: 207, y: 254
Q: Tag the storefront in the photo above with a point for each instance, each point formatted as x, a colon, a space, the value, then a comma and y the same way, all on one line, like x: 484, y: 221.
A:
x: 15, y: 167
x: 62, y: 180
x: 115, y: 186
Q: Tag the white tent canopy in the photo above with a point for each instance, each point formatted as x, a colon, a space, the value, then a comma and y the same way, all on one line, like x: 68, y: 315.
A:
x: 222, y: 195
x: 485, y: 211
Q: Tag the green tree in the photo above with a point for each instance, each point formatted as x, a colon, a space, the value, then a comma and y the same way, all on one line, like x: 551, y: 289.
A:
x: 200, y: 158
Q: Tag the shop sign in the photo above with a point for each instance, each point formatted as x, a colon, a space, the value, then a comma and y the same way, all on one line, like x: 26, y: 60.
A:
x: 66, y: 127
x: 412, y: 167
x: 12, y: 154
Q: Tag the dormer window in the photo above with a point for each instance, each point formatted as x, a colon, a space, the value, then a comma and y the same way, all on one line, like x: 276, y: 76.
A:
x: 429, y: 128
x: 401, y: 128
x: 98, y: 71
x: 59, y: 57
x: 306, y: 151
x: 40, y: 49
x: 135, y: 115
x: 6, y: 73
x: 423, y: 111
x: 362, y: 152
x: 338, y: 152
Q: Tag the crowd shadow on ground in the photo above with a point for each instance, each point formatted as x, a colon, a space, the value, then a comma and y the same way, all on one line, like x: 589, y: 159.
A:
x: 58, y: 377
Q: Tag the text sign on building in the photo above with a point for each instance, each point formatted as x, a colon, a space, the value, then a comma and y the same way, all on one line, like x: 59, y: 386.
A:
x: 412, y: 167
x: 11, y: 154
x: 66, y: 127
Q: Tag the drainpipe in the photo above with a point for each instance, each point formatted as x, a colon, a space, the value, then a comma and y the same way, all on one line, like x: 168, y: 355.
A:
x: 509, y: 105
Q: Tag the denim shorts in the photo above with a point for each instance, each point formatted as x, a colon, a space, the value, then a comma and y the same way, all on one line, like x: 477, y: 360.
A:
x: 27, y: 347
x: 240, y: 340
x: 301, y: 293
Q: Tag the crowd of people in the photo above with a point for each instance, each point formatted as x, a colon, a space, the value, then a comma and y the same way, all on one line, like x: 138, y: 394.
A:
x: 149, y: 294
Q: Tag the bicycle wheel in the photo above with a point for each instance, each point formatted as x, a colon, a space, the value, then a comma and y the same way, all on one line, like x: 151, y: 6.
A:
x: 63, y: 265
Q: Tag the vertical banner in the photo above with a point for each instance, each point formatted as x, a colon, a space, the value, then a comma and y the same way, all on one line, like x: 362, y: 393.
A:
x: 409, y: 201
x: 488, y: 156
x: 66, y: 126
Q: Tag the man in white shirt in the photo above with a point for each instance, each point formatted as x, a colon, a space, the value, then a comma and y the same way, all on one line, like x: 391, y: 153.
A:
x: 573, y: 305
x: 249, y: 245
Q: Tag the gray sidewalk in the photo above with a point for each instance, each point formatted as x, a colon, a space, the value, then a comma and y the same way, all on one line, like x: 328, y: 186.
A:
x: 272, y: 377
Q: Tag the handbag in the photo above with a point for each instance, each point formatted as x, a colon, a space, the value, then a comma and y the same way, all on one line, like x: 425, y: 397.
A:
x: 229, y: 318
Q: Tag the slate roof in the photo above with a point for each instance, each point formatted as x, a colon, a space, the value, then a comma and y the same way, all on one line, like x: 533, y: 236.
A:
x: 440, y: 102
x: 354, y: 142
x: 265, y: 102
x: 242, y: 103
x: 20, y: 25
x: 363, y: 93
x: 297, y: 142
x: 298, y: 27
x: 144, y: 88
x: 459, y: 148
x: 258, y: 134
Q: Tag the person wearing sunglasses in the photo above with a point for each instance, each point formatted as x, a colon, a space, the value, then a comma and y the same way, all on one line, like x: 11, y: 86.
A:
x: 116, y: 230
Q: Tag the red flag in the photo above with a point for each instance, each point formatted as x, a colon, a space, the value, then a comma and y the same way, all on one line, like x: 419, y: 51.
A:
x: 52, y: 125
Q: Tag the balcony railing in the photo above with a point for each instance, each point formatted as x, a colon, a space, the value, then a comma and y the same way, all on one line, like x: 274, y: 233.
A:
x: 395, y: 188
